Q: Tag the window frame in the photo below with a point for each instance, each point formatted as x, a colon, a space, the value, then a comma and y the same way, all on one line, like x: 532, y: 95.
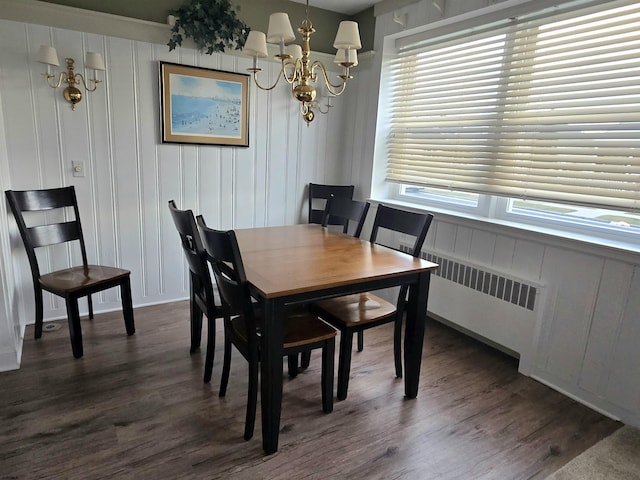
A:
x: 491, y: 209
x: 495, y: 209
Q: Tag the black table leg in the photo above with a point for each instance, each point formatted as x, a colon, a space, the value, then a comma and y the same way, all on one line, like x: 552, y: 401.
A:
x: 127, y: 306
x: 271, y: 374
x: 414, y: 333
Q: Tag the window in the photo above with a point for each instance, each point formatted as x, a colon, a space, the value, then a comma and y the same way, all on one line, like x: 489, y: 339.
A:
x: 542, y: 112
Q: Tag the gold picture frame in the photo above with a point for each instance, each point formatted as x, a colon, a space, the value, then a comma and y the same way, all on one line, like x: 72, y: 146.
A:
x: 204, y: 106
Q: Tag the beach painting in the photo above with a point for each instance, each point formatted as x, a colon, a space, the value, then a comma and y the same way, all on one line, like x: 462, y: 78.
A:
x: 203, y: 106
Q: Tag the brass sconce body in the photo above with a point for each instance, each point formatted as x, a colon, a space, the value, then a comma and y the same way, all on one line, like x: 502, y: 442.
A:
x: 71, y: 93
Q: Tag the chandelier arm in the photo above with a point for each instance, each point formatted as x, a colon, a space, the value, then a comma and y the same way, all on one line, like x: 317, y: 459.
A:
x: 295, y: 72
x: 319, y: 107
x: 280, y: 74
x: 334, y: 90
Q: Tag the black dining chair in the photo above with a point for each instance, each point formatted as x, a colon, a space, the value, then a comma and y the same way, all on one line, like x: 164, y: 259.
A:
x: 302, y: 330
x: 343, y: 211
x: 318, y: 196
x: 340, y: 210
x: 354, y: 313
x: 201, y: 293
x: 70, y: 283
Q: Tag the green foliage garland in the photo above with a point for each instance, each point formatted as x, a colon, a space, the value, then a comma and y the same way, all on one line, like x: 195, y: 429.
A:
x: 212, y: 25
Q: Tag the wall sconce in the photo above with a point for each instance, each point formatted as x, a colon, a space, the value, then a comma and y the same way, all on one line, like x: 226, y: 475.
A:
x: 72, y: 93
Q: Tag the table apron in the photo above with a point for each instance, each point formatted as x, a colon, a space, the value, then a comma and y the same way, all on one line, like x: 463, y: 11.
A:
x: 341, y: 290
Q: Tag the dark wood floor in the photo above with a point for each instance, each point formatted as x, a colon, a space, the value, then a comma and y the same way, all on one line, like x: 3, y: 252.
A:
x: 136, y: 408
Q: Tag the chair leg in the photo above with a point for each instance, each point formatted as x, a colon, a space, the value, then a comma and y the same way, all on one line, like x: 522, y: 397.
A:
x: 397, y: 346
x: 344, y: 363
x: 127, y: 306
x: 292, y: 362
x: 328, y: 354
x: 226, y: 366
x: 252, y: 399
x: 39, y: 311
x: 196, y: 323
x: 305, y: 359
x: 360, y: 340
x: 75, y: 331
x: 211, y: 345
x: 90, y: 306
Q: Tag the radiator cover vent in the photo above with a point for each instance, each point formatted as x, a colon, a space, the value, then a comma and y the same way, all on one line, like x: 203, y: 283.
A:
x: 494, y: 284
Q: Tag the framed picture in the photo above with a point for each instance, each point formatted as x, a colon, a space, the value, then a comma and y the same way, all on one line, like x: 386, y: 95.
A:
x: 204, y: 106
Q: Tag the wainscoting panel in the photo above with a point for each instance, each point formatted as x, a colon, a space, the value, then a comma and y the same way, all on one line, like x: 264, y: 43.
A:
x: 568, y: 310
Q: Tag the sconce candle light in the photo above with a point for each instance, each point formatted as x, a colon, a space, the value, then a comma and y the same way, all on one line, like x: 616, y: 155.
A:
x: 71, y: 93
x: 297, y: 69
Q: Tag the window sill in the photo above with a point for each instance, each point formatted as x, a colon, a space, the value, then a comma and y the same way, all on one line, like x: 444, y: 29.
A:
x: 563, y: 238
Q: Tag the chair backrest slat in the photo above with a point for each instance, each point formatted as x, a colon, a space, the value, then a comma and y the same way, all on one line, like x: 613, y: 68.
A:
x: 43, y: 235
x: 339, y: 211
x: 402, y: 221
x: 323, y: 192
x: 34, y: 200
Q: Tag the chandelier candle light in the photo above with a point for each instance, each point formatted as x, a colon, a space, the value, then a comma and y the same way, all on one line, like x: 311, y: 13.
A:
x: 71, y: 93
x: 297, y: 69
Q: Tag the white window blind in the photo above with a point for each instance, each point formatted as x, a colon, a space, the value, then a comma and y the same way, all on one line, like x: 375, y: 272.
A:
x: 547, y: 109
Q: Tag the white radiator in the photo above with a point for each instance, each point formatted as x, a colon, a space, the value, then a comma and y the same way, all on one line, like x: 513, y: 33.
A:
x: 496, y: 307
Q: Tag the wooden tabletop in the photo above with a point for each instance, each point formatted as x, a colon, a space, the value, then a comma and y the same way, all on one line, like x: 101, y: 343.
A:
x: 281, y: 261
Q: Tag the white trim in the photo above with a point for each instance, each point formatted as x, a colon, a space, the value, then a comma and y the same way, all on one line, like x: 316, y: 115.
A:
x: 11, y: 329
x: 89, y: 21
x: 469, y: 22
x: 78, y: 19
x: 575, y: 397
x: 386, y: 6
x: 626, y: 252
x: 9, y: 360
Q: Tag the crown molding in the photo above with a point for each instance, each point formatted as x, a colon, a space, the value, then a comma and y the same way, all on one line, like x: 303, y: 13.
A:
x: 89, y: 21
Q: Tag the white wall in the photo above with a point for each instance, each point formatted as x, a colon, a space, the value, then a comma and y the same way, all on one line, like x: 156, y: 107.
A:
x: 583, y: 338
x: 130, y: 175
x: 10, y: 328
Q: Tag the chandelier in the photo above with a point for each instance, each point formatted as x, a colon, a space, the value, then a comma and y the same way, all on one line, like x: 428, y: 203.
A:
x: 297, y: 69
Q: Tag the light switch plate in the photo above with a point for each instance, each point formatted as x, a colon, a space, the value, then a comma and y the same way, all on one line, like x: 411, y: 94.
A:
x: 78, y: 169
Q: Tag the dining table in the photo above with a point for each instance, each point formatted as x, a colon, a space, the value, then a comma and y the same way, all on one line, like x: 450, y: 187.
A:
x: 302, y: 263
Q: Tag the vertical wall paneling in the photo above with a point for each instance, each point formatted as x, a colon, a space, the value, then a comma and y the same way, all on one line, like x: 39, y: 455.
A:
x: 445, y: 236
x: 568, y: 328
x: 11, y: 326
x: 278, y: 119
x: 148, y: 134
x: 293, y: 195
x: 129, y: 174
x: 125, y: 159
x: 244, y: 173
x: 606, y: 326
x: 527, y: 259
x: 482, y: 245
x: 462, y: 243
x: 503, y: 253
x: 622, y: 383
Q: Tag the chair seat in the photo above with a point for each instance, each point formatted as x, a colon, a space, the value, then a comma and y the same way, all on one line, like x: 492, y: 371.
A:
x: 354, y: 310
x: 301, y: 328
x: 73, y: 279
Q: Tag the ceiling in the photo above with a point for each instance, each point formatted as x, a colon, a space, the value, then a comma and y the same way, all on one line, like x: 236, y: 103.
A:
x: 348, y: 7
